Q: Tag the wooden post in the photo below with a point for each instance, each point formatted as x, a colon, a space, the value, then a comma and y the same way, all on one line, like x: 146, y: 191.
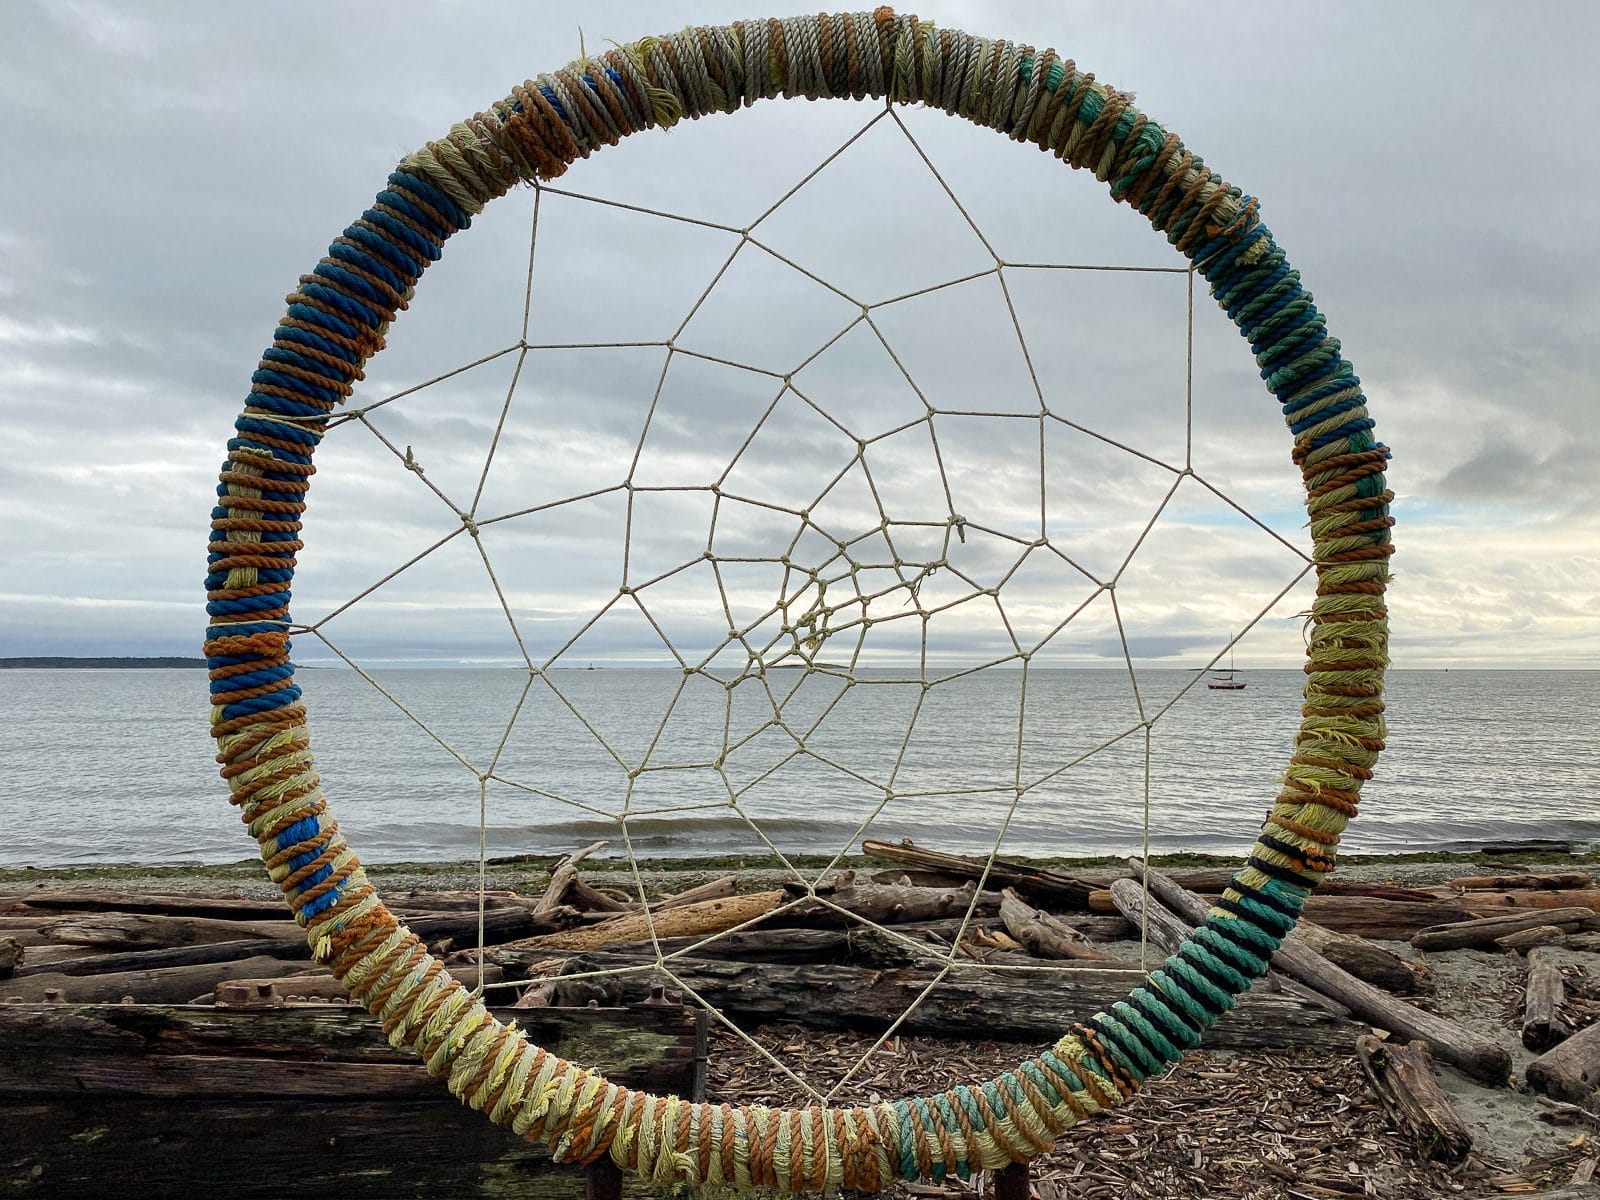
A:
x: 1013, y: 1183
x: 602, y: 1180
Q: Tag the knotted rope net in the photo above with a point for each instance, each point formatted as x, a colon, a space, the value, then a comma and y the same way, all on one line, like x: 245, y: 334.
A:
x: 835, y: 594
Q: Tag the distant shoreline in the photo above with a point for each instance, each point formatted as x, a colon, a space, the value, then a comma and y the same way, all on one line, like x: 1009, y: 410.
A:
x: 58, y: 663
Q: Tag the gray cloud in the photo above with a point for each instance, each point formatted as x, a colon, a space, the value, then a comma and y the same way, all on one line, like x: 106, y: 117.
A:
x: 154, y: 219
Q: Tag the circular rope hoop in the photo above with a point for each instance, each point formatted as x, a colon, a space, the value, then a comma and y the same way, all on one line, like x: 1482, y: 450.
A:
x: 336, y: 321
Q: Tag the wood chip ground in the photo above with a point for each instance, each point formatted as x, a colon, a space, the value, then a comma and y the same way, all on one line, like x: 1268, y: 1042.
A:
x: 1218, y: 1127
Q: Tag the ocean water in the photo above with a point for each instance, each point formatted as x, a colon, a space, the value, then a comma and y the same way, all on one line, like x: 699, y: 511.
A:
x: 117, y: 766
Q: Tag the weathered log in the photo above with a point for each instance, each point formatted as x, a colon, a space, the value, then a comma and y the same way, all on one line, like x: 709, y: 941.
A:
x: 1481, y: 932
x: 749, y: 945
x: 35, y: 957
x: 1361, y: 958
x: 1402, y: 1076
x: 175, y: 904
x: 149, y: 931
x: 561, y: 877
x: 1548, y: 880
x: 1362, y: 916
x: 886, y: 905
x: 27, y: 936
x: 587, y: 899
x: 168, y: 985
x: 1168, y: 931
x: 499, y: 925
x: 26, y: 920
x: 1026, y: 1005
x: 126, y: 1101
x: 707, y: 917
x: 1571, y: 1071
x: 1589, y: 942
x: 595, y: 900
x: 860, y: 946
x: 1099, y: 928
x: 1477, y: 1057
x: 1543, y: 1026
x: 1039, y: 883
x: 716, y: 889
x: 1375, y: 917
x: 322, y: 984
x: 1212, y: 881
x: 1526, y: 939
x: 199, y: 1052
x: 457, y: 900
x: 118, y: 1149
x: 1488, y: 904
x: 178, y: 956
x: 10, y: 956
x: 1045, y: 936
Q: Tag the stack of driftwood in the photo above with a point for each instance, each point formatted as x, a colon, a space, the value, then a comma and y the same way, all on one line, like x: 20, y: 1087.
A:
x: 159, y: 1044
x: 1020, y: 952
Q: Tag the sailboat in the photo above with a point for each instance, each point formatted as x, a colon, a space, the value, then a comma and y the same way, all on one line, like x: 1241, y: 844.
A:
x: 1224, y: 681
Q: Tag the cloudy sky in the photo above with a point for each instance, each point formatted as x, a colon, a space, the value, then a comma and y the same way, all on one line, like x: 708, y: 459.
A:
x: 173, y: 168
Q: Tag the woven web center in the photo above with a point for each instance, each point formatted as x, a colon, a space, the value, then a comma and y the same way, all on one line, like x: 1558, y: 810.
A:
x: 804, y: 560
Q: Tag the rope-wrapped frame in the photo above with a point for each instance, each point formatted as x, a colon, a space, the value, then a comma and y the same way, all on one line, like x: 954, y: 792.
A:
x: 337, y: 319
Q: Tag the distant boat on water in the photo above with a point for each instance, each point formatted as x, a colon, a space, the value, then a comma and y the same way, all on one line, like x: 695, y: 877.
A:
x: 1224, y: 680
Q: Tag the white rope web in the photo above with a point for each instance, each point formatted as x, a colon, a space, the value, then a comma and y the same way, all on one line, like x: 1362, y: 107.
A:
x: 850, y: 590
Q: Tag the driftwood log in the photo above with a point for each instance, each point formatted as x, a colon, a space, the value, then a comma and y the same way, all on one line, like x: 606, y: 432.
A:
x: 562, y: 877
x: 1546, y: 881
x: 860, y: 946
x: 149, y: 931
x: 716, y: 889
x: 1490, y: 903
x: 1481, y: 933
x: 168, y: 985
x: 1543, y: 1026
x: 134, y: 1100
x: 703, y: 919
x: 180, y: 956
x: 1038, y: 883
x: 322, y: 985
x: 1168, y: 931
x: 589, y: 899
x: 1526, y: 939
x: 1402, y: 1076
x: 456, y: 900
x: 174, y: 904
x: 1043, y: 935
x: 1012, y: 1005
x: 1571, y: 1071
x: 1362, y: 958
x: 1361, y: 916
x: 886, y: 904
x: 1481, y: 1059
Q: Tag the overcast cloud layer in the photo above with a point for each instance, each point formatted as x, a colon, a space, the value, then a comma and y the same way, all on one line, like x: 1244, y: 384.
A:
x: 173, y: 168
